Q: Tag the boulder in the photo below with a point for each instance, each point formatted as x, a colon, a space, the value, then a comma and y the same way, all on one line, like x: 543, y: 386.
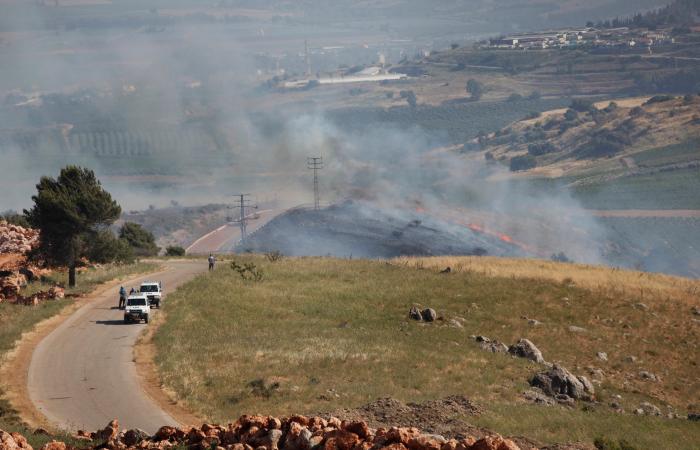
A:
x: 7, y: 442
x: 537, y: 397
x: 134, y: 436
x: 429, y: 315
x: 575, y: 329
x: 54, y: 445
x: 426, y: 442
x: 108, y: 433
x: 359, y: 428
x: 648, y: 376
x: 494, y: 443
x: 401, y: 435
x: 414, y: 313
x: 57, y: 293
x: 559, y: 381
x: 494, y: 347
x: 647, y: 409
x: 526, y: 349
x: 165, y: 433
x: 341, y: 440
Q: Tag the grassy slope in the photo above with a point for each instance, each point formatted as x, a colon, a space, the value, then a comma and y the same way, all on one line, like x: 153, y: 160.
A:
x: 334, y: 333
x: 15, y: 320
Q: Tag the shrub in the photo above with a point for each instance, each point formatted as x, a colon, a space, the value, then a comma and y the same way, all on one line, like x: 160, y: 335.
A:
x: 15, y: 218
x: 515, y: 97
x: 524, y: 162
x: 535, y: 134
x: 104, y: 247
x: 582, y: 105
x: 532, y: 115
x: 636, y: 111
x: 410, y: 97
x: 541, y: 148
x: 571, y: 115
x: 174, y: 250
x: 247, y: 271
x: 602, y: 443
x: 659, y: 99
x: 139, y: 239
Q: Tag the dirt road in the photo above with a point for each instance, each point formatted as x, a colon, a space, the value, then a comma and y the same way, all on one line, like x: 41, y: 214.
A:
x: 83, y: 374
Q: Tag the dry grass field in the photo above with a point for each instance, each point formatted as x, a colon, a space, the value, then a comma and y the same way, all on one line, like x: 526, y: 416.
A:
x: 319, y: 334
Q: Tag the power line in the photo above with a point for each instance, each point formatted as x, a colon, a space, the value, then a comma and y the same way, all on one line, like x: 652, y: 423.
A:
x: 315, y: 163
x: 244, y: 203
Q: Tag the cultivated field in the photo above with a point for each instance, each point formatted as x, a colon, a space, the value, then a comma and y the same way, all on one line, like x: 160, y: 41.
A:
x: 319, y: 334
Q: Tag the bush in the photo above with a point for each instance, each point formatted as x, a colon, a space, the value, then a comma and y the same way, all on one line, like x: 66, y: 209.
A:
x: 139, y: 239
x: 570, y: 115
x: 410, y: 97
x: 541, y: 148
x: 104, y: 247
x: 174, y: 250
x: 524, y: 162
x: 532, y: 115
x: 515, y: 97
x: 605, y: 143
x: 15, y: 218
x: 659, y: 99
x: 636, y: 111
x: 611, y: 444
x: 582, y: 105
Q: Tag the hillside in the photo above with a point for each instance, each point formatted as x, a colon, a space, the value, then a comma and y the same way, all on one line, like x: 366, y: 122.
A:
x: 610, y: 138
x: 314, y: 335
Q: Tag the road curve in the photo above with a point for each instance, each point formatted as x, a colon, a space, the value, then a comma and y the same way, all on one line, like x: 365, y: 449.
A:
x: 82, y: 375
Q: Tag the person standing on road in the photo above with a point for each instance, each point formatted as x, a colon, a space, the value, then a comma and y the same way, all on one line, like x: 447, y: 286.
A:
x: 211, y: 260
x: 122, y: 297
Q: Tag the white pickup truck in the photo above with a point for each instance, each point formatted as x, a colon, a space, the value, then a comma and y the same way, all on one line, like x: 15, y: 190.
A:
x: 153, y: 292
x: 137, y: 309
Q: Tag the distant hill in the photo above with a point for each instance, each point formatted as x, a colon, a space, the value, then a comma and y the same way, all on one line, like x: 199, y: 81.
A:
x: 660, y: 133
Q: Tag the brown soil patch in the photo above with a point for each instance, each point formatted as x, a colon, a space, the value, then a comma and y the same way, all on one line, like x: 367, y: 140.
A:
x: 447, y: 417
x: 144, y: 357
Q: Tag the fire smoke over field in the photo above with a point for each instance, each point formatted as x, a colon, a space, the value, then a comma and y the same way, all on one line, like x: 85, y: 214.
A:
x: 176, y: 112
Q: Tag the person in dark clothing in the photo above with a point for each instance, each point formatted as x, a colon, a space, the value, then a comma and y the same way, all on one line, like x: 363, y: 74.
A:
x: 122, y: 297
x: 212, y: 261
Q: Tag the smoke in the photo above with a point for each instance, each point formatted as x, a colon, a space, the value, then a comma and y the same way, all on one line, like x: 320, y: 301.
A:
x: 169, y: 114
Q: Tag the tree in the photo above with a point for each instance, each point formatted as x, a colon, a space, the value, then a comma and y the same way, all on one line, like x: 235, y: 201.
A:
x: 68, y: 211
x: 141, y: 241
x: 475, y: 89
x: 104, y: 247
x: 174, y: 250
x: 410, y: 97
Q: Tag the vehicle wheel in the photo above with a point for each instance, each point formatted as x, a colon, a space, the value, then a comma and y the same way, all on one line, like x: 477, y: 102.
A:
x: 126, y: 320
x: 146, y: 319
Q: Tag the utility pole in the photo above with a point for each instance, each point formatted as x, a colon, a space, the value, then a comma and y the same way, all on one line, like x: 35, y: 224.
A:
x: 315, y: 163
x: 244, y: 203
x: 307, y: 58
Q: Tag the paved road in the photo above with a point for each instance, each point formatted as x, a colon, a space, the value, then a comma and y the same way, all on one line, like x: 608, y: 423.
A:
x: 82, y: 375
x: 224, y: 238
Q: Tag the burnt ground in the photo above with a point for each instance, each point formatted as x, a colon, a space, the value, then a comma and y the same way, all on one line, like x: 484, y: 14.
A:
x: 362, y: 230
x: 448, y: 417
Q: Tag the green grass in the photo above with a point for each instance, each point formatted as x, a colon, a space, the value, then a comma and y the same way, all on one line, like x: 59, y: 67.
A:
x: 88, y: 279
x: 314, y: 325
x: 664, y: 190
x: 671, y: 154
x: 17, y: 319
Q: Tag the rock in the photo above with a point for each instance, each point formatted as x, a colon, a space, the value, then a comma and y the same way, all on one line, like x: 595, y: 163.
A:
x: 57, y: 293
x: 534, y: 322
x: 494, y: 443
x: 54, y: 445
x: 630, y: 359
x: 359, y: 428
x: 559, y: 381
x: 415, y: 314
x: 602, y: 356
x: 481, y: 339
x: 429, y: 315
x: 165, y: 433
x: 695, y: 417
x: 648, y: 376
x: 526, y: 349
x: 695, y: 310
x: 21, y: 441
x: 426, y: 442
x: 575, y: 329
x: 134, y: 436
x: 647, y: 409
x: 456, y: 323
x: 110, y: 432
x: 298, y: 437
x: 494, y: 347
x: 341, y: 440
x: 587, y: 385
x: 401, y: 435
x: 271, y: 439
x: 538, y: 397
x: 641, y: 306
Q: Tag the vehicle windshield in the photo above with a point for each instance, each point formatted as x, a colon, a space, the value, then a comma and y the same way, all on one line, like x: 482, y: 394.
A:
x: 149, y: 288
x: 136, y: 302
